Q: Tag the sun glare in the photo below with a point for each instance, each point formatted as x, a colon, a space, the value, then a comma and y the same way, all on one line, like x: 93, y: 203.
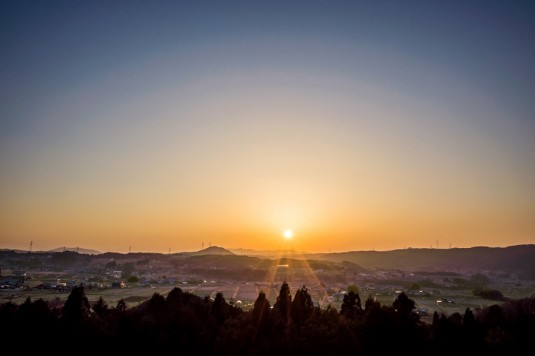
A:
x: 288, y: 234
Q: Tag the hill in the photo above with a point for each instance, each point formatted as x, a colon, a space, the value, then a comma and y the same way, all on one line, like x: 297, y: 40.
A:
x: 518, y: 259
x: 83, y: 251
x: 514, y: 258
x: 268, y: 253
x: 212, y: 250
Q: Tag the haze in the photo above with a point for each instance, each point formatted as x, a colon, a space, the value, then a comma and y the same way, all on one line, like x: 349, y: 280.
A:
x: 358, y: 125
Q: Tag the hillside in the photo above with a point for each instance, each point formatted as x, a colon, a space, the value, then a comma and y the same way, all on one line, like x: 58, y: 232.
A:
x: 514, y: 258
x: 518, y: 259
x: 212, y: 250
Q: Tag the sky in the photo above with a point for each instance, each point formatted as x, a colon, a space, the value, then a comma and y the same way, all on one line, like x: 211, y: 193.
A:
x: 360, y: 125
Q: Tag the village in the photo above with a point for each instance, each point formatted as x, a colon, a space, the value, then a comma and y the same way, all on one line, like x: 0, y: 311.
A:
x: 134, y: 278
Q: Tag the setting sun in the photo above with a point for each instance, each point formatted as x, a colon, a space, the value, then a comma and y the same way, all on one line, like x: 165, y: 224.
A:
x: 355, y: 135
x: 288, y: 234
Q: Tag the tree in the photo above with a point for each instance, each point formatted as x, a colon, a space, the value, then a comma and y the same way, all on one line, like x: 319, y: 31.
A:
x: 414, y: 286
x: 133, y: 279
x: 284, y: 301
x: 101, y: 307
x: 260, y: 311
x: 494, y: 316
x: 351, y: 306
x: 302, y: 305
x: 156, y: 304
x: 175, y: 297
x: 220, y: 308
x: 403, y: 305
x: 371, y: 304
x: 76, y: 309
x: 353, y: 288
x: 468, y: 318
x: 491, y: 294
x: 121, y: 306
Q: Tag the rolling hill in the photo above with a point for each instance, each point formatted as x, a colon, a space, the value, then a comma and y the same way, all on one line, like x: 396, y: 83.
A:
x: 513, y: 258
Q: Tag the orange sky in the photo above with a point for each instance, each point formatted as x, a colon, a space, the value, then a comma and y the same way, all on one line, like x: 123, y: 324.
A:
x: 174, y: 133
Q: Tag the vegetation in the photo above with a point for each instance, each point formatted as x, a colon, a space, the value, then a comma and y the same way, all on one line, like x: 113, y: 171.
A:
x: 353, y: 288
x: 491, y: 294
x: 294, y: 325
x: 133, y: 279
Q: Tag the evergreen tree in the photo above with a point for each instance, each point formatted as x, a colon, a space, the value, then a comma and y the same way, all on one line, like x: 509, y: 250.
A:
x: 302, y: 305
x: 261, y: 307
x: 101, y: 307
x: 121, y: 306
x: 156, y: 304
x: 404, y: 305
x: 76, y: 309
x: 371, y: 304
x: 351, y: 306
x: 284, y: 301
x: 220, y: 308
x: 468, y: 318
x: 175, y: 297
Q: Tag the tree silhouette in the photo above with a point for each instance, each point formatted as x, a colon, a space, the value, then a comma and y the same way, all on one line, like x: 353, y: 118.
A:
x: 36, y: 318
x: 101, y: 307
x: 121, y: 306
x: 404, y: 305
x: 76, y: 308
x: 351, y: 306
x: 260, y: 313
x: 353, y: 288
x: 302, y: 305
x: 156, y: 304
x: 283, y: 303
x: 220, y: 308
x: 371, y: 304
x: 468, y: 319
x: 214, y: 327
x: 175, y: 297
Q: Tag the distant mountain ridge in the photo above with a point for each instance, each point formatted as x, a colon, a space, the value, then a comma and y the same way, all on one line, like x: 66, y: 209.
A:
x: 83, y: 251
x: 519, y: 258
x: 266, y: 253
x: 512, y: 258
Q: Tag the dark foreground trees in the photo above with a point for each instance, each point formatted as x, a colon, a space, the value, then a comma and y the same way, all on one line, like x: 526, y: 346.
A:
x: 183, y: 322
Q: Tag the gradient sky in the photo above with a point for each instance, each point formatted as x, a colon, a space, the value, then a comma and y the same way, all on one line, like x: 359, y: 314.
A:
x: 359, y: 124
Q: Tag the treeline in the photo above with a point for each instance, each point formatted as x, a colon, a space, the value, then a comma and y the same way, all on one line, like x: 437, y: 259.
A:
x: 182, y: 322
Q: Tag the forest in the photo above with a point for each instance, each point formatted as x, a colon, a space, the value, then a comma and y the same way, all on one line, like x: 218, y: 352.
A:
x: 182, y: 322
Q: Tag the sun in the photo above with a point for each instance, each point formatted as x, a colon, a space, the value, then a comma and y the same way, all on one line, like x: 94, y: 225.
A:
x: 288, y: 234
